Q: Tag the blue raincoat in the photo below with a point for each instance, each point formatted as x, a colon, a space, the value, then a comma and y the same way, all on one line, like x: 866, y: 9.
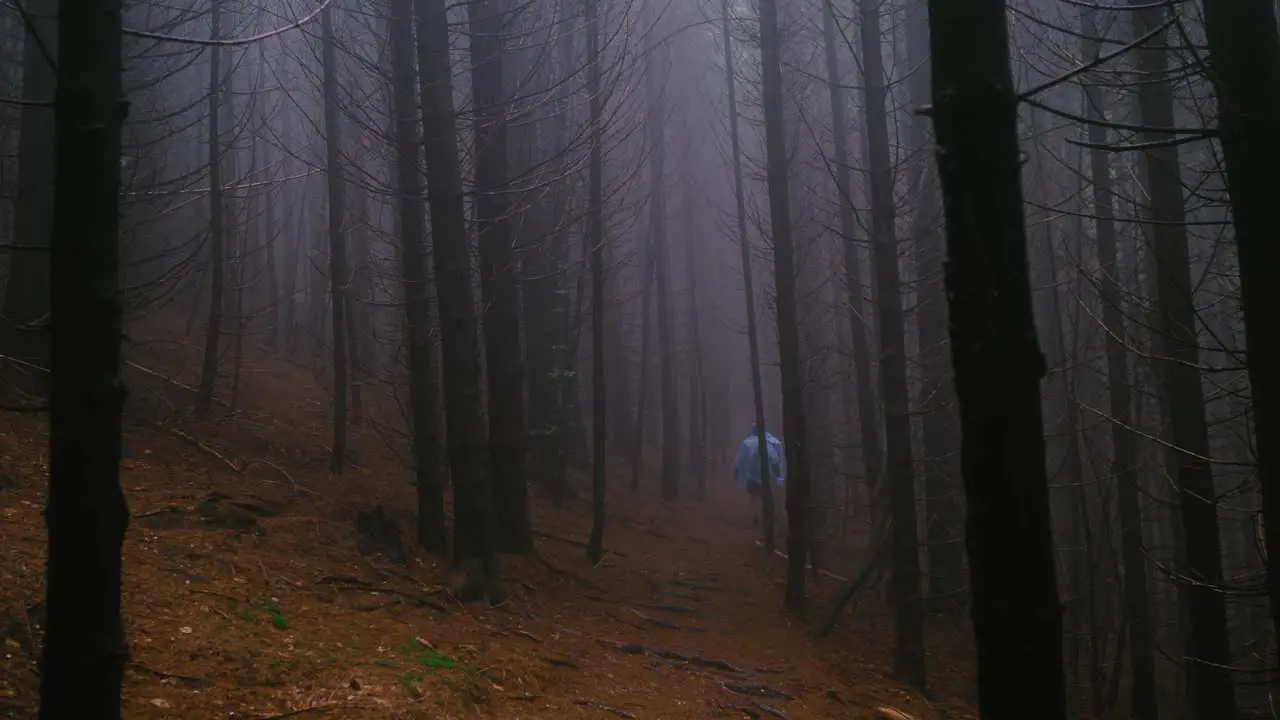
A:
x: 747, y: 466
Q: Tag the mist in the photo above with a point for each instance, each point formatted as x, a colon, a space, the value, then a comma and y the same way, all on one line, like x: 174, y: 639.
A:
x: 413, y: 358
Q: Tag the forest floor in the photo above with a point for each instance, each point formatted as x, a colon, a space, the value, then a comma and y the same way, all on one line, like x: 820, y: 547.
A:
x: 250, y: 594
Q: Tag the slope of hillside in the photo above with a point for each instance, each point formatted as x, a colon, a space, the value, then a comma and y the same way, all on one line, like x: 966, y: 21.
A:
x: 251, y: 593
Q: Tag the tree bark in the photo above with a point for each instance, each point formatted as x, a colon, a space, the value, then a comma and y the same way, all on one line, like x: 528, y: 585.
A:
x: 83, y: 660
x: 1213, y: 694
x: 748, y: 286
x: 1243, y: 55
x: 217, y: 253
x: 413, y: 275
x: 997, y: 364
x: 595, y: 236
x: 499, y: 280
x: 908, y: 659
x: 1124, y: 458
x: 867, y: 428
x: 784, y: 283
x: 656, y: 119
x: 338, y: 271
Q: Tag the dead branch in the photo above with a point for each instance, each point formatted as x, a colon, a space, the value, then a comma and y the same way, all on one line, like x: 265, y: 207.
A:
x: 370, y: 587
x: 569, y: 541
x: 204, y: 682
x: 771, y: 710
x: 607, y: 708
x: 851, y: 590
x: 753, y: 690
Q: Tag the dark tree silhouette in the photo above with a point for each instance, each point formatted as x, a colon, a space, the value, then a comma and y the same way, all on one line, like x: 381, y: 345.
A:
x: 784, y: 283
x: 413, y: 276
x: 748, y: 284
x: 337, y: 239
x: 908, y: 661
x: 998, y: 366
x: 84, y: 655
x: 1211, y: 691
x: 595, y: 237
x: 504, y: 359
x: 1244, y: 57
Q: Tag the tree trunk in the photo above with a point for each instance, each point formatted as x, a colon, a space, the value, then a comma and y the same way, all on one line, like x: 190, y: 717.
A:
x: 26, y: 301
x: 424, y: 427
x: 637, y: 438
x: 1209, y: 647
x: 595, y: 233
x: 748, y: 289
x: 213, y: 332
x: 997, y: 364
x: 944, y: 510
x: 1124, y: 458
x: 338, y: 271
x: 1243, y: 55
x: 900, y: 465
x: 784, y: 283
x: 656, y: 122
x: 85, y: 651
x: 867, y: 428
x: 499, y: 280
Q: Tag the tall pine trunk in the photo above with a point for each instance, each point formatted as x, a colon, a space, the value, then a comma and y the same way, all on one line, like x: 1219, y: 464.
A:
x: 748, y: 288
x: 867, y: 427
x: 26, y: 300
x: 1213, y: 695
x: 85, y: 652
x: 908, y: 661
x: 595, y: 236
x: 1244, y: 55
x: 1124, y: 458
x: 499, y: 279
x: 784, y: 283
x: 997, y: 363
x: 217, y: 253
x: 337, y: 240
x: 656, y: 122
x: 413, y: 276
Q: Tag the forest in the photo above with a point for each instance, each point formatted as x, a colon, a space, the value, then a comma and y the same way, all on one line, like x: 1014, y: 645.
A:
x: 661, y: 359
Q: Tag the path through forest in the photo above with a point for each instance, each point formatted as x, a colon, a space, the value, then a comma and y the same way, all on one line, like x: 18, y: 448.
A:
x: 251, y: 594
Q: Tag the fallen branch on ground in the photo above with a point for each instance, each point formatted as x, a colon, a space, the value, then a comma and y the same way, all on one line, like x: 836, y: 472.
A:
x: 204, y: 682
x: 656, y: 621
x: 570, y: 541
x: 674, y: 609
x: 696, y: 660
x: 370, y: 587
x: 294, y: 713
x: 607, y: 708
x: 205, y: 448
x: 160, y: 511
x: 772, y: 711
x: 753, y: 690
x: 854, y: 586
x: 559, y: 662
x: 555, y: 570
x: 216, y: 400
x: 888, y: 713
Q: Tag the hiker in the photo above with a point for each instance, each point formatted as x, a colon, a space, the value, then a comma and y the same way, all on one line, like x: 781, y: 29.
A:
x: 747, y: 467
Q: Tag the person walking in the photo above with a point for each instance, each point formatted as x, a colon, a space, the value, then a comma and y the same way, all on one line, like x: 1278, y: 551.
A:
x: 747, y: 467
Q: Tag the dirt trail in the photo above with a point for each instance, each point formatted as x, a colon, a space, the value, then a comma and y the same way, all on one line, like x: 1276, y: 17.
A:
x: 247, y: 597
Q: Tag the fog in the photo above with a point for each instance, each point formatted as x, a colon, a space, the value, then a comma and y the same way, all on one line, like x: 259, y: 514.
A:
x: 511, y: 257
